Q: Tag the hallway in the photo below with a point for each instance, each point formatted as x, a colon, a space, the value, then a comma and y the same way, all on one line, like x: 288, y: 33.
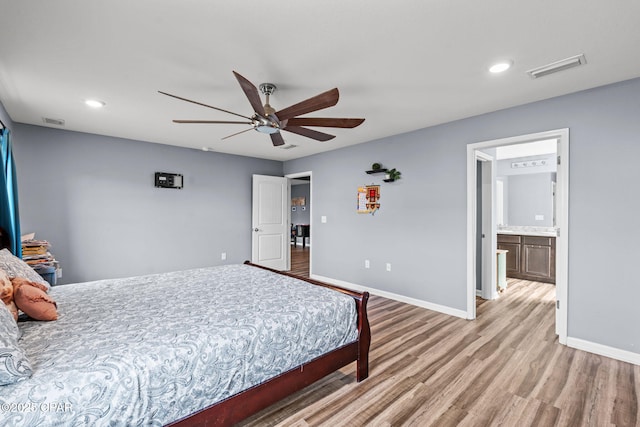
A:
x: 300, y: 261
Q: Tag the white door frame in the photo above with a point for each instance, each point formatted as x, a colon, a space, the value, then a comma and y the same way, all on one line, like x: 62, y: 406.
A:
x: 490, y: 243
x: 562, y: 221
x: 311, y: 229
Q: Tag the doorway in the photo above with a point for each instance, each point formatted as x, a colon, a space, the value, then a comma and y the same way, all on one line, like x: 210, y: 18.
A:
x: 474, y: 251
x: 301, y: 223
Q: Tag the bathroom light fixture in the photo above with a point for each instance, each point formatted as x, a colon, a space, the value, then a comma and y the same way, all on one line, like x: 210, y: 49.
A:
x: 94, y: 103
x: 500, y: 67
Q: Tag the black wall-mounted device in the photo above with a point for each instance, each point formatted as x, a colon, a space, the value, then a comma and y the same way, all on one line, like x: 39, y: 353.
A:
x: 168, y: 180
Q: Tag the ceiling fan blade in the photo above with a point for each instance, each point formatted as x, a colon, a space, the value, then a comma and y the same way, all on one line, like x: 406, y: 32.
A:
x: 310, y: 133
x: 212, y: 121
x: 251, y: 91
x: 277, y: 139
x: 204, y: 105
x: 237, y: 133
x: 325, y: 122
x: 318, y: 102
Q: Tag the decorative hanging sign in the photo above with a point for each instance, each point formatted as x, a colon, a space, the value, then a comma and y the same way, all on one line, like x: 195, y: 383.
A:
x: 368, y: 199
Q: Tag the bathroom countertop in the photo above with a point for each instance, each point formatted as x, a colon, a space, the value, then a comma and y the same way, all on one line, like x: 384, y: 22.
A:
x: 528, y: 231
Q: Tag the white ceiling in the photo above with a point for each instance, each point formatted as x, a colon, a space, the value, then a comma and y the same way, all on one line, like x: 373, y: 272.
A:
x: 401, y: 65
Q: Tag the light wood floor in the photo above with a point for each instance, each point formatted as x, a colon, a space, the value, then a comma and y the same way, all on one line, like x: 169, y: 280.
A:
x: 506, y: 368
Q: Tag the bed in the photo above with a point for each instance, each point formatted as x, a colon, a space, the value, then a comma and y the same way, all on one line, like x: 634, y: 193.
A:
x: 207, y: 346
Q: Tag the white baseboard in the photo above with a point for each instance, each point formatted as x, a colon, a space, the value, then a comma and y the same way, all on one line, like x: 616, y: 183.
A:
x: 591, y: 347
x: 479, y: 293
x: 604, y: 350
x: 413, y: 301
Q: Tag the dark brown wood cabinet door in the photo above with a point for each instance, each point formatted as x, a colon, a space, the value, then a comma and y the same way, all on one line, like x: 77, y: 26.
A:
x: 513, y: 258
x: 530, y: 257
x: 537, y: 262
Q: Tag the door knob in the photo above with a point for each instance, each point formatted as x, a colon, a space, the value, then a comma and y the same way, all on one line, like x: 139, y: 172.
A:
x: 256, y: 229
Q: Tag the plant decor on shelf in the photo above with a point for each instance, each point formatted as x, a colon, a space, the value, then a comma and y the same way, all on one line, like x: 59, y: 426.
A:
x: 376, y: 166
x: 392, y: 175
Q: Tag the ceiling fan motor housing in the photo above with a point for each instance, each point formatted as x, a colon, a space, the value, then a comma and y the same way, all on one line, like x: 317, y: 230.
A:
x: 267, y: 89
x: 265, y: 124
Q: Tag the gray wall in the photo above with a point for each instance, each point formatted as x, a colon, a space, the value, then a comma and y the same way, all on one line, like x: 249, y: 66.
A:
x: 528, y: 191
x: 420, y: 219
x: 300, y: 216
x: 93, y: 198
x: 421, y: 226
x: 528, y: 196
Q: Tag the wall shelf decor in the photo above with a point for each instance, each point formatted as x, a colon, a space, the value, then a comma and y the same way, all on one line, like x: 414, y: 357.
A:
x: 391, y: 175
x: 383, y: 170
x: 298, y: 201
x: 368, y: 199
x: 376, y: 168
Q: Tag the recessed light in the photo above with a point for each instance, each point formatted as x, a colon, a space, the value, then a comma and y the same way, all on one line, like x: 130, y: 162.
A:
x: 94, y: 103
x: 500, y: 67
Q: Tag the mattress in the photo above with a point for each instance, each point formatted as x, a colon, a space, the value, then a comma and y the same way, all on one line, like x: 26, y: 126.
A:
x: 153, y: 349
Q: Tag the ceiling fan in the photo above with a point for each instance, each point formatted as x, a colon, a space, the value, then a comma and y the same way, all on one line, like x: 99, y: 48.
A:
x: 269, y: 121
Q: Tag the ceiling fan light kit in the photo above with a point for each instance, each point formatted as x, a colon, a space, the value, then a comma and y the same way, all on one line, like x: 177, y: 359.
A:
x: 268, y: 121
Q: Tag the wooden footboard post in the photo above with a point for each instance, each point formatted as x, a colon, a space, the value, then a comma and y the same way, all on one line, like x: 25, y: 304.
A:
x: 364, y: 338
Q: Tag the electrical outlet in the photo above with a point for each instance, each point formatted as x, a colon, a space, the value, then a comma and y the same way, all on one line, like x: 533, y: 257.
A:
x: 366, y: 263
x: 223, y: 256
x: 323, y: 219
x: 388, y: 266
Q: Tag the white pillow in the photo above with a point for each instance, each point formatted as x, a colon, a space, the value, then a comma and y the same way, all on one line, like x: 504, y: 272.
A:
x: 15, y: 267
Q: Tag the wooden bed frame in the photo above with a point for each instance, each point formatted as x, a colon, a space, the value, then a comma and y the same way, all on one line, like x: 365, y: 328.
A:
x: 246, y: 403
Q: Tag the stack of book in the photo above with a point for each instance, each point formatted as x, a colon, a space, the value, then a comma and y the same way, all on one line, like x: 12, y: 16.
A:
x: 36, y: 254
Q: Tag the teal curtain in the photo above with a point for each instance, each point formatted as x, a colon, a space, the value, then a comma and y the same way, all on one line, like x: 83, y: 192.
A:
x: 9, y: 217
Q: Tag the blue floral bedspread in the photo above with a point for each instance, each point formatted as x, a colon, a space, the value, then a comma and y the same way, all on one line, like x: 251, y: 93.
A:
x: 153, y: 349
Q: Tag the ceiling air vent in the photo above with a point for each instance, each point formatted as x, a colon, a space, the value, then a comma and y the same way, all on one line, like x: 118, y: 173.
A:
x: 56, y: 122
x: 557, y: 66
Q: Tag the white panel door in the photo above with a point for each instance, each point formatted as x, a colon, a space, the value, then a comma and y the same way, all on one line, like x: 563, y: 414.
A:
x: 270, y: 222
